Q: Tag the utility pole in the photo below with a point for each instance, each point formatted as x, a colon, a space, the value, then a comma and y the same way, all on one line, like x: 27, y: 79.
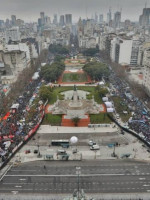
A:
x: 78, y: 172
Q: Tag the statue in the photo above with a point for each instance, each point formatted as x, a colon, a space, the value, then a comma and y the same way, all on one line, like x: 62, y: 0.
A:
x: 75, y: 88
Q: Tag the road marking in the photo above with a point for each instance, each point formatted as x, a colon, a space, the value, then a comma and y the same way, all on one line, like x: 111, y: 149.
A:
x: 64, y: 175
x: 18, y: 186
x: 22, y: 179
x: 5, y: 172
x: 146, y: 185
x: 142, y: 178
x: 14, y: 192
x: 22, y: 170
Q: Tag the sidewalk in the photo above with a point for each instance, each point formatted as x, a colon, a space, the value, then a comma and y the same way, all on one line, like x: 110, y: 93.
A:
x: 60, y: 129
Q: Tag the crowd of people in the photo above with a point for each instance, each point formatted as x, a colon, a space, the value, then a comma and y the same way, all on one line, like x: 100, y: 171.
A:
x: 14, y: 127
x: 140, y: 119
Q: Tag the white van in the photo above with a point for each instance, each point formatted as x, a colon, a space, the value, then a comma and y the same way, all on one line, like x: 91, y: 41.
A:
x: 95, y: 147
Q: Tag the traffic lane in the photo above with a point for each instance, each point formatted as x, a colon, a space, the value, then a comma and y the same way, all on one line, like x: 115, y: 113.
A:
x: 10, y: 179
x: 46, y: 169
x: 90, y: 184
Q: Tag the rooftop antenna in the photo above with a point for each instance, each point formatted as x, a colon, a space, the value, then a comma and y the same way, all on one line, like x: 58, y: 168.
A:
x: 86, y: 9
x: 146, y: 4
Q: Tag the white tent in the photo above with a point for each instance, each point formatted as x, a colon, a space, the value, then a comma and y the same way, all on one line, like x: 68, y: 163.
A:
x: 108, y: 104
x: 15, y: 106
x: 35, y: 76
x: 101, y: 83
x: 110, y: 110
x: 105, y: 99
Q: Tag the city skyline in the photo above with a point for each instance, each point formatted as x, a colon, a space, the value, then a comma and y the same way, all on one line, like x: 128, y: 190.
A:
x: 26, y: 10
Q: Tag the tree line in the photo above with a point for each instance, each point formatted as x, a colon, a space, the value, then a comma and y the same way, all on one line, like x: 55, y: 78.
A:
x: 96, y: 70
x: 51, y: 73
x: 58, y: 49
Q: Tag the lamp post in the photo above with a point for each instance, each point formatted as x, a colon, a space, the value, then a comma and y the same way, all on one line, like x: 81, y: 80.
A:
x: 78, y: 172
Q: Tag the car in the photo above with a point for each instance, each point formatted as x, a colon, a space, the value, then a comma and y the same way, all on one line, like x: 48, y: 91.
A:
x: 91, y: 143
x: 74, y: 151
x: 35, y: 151
x: 61, y: 152
x: 95, y: 147
x: 27, y: 151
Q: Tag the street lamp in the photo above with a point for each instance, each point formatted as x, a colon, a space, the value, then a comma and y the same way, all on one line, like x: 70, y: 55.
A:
x: 78, y: 172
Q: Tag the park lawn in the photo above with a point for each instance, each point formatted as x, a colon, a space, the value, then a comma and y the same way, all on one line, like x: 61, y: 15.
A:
x: 74, y: 77
x: 53, y: 120
x: 56, y: 93
x: 120, y: 107
x: 57, y: 90
x: 100, y: 118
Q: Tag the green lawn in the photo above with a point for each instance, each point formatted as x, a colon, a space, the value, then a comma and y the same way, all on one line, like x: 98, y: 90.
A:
x: 93, y: 92
x: 74, y: 77
x: 101, y: 118
x: 120, y: 107
x: 53, y: 120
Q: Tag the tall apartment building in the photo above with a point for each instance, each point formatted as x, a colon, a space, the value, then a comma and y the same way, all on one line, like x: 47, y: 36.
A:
x: 12, y: 34
x: 146, y: 81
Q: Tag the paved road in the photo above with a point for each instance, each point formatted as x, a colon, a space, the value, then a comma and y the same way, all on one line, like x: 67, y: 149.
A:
x: 61, y: 177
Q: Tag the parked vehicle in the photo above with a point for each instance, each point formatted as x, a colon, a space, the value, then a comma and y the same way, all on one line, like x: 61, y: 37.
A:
x: 95, y: 147
x: 91, y: 143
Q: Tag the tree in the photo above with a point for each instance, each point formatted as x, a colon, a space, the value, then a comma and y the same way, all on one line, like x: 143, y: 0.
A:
x: 90, y: 51
x: 58, y: 49
x: 52, y: 72
x: 45, y: 93
x: 96, y: 70
x: 75, y: 120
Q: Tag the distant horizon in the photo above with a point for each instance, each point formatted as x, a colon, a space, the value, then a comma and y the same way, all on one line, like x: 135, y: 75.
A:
x: 29, y: 10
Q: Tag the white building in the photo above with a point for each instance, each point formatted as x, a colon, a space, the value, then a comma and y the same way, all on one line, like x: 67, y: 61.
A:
x: 12, y: 34
x: 146, y: 62
x: 125, y: 52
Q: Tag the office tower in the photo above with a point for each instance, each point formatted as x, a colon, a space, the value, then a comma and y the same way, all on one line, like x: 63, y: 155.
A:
x: 68, y: 19
x: 55, y: 19
x: 117, y: 19
x: 144, y: 19
x: 62, y: 20
x: 13, y: 20
x: 101, y: 18
x: 96, y: 18
x: 42, y: 15
x: 109, y: 16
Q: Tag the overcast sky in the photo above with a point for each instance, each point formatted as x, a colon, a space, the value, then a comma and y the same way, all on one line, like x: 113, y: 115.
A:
x: 29, y: 9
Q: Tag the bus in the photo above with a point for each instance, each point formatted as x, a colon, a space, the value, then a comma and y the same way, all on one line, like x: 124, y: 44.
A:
x: 62, y: 143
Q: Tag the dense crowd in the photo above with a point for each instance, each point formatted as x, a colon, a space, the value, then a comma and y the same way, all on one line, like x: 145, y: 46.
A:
x: 140, y: 120
x: 14, y: 127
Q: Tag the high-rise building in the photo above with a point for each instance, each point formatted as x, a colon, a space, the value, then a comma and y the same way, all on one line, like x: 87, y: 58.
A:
x: 109, y: 16
x: 62, y: 20
x: 42, y: 15
x: 68, y: 19
x: 144, y: 19
x: 101, y: 18
x: 12, y: 34
x: 96, y: 18
x: 13, y: 20
x: 117, y: 19
x: 55, y: 19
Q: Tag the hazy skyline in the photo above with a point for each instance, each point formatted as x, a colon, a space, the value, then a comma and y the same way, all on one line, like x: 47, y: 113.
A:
x: 29, y: 10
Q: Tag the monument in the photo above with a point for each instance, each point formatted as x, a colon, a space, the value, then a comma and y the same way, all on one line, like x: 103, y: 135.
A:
x: 76, y: 104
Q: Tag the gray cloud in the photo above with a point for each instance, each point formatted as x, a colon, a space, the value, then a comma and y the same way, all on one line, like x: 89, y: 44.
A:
x: 29, y: 9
